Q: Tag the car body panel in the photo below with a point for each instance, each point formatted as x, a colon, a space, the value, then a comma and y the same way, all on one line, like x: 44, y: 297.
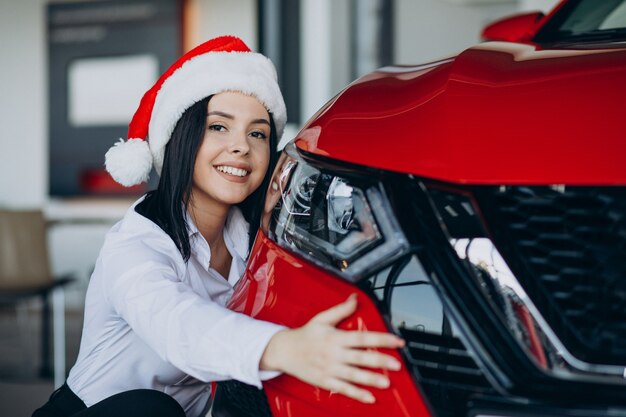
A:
x: 262, y: 295
x: 496, y: 98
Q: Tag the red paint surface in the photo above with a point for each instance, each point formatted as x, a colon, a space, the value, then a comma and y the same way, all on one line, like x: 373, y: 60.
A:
x: 281, y: 288
x: 499, y: 113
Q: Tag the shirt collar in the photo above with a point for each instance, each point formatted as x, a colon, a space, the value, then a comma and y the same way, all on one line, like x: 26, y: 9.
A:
x: 236, y: 232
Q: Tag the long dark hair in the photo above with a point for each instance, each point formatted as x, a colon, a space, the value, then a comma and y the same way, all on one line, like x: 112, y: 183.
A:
x: 167, y: 205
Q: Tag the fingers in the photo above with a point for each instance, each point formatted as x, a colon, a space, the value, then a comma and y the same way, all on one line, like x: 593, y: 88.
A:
x: 371, y: 359
x: 371, y: 339
x: 349, y: 390
x: 320, y: 354
x: 335, y: 314
x: 355, y: 375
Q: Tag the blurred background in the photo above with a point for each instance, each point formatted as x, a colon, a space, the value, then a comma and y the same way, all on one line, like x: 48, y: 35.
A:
x: 72, y: 75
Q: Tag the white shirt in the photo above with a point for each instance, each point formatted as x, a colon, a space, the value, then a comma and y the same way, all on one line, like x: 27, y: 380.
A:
x: 154, y: 321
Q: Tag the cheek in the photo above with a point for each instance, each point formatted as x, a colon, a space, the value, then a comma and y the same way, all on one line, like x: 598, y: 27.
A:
x: 263, y: 157
x: 206, y: 152
x: 202, y: 164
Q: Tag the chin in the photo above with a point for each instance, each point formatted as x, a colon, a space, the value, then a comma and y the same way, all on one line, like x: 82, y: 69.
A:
x: 233, y: 199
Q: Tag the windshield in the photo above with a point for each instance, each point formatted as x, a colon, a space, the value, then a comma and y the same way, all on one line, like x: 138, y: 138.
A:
x: 586, y: 21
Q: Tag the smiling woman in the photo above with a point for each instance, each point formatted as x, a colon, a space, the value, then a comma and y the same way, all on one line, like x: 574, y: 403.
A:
x: 156, y: 329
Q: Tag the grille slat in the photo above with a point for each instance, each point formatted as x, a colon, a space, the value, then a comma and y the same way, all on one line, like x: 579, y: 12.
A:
x: 568, y: 249
x: 443, y: 359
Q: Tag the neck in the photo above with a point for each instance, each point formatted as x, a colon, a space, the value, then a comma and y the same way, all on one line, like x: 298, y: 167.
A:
x: 210, y: 220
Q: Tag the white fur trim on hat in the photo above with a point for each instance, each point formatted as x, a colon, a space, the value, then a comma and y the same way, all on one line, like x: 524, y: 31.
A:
x: 211, y: 73
x: 129, y: 162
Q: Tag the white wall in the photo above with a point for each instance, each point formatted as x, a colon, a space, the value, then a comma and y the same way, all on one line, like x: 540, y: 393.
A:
x: 543, y: 5
x: 315, y: 56
x: 23, y: 128
x: 428, y: 30
x: 232, y: 17
x: 340, y: 45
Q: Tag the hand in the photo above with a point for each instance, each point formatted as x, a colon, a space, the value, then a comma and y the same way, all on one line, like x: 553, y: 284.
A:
x: 320, y: 354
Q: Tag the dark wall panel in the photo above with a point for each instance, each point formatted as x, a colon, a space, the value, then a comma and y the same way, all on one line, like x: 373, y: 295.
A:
x: 83, y: 36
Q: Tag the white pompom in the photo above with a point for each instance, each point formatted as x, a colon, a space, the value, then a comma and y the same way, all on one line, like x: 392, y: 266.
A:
x: 130, y: 162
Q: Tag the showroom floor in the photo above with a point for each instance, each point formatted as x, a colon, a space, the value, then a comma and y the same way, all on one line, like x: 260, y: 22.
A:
x: 21, y: 389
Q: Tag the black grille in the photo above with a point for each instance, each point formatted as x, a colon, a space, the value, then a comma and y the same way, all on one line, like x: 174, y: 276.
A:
x: 443, y: 359
x: 568, y: 249
x: 447, y: 374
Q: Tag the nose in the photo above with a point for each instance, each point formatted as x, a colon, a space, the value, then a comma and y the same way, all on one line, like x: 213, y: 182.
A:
x: 239, y: 144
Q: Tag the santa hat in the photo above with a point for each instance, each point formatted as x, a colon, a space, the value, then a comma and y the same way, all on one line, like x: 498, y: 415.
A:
x: 220, y: 64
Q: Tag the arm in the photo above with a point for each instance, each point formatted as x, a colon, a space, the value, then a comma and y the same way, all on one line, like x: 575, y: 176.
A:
x: 320, y: 354
x: 196, y: 335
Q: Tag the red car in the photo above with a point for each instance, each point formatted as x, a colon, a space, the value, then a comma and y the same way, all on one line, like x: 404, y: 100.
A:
x: 477, y: 205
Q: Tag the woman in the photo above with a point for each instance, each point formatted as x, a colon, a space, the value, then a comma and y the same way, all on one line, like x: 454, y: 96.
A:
x: 156, y: 329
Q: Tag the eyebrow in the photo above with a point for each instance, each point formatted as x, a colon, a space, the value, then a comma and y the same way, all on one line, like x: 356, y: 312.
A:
x: 231, y: 117
x: 220, y: 113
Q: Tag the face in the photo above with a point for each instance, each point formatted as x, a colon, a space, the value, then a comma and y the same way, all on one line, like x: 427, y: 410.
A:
x: 234, y: 154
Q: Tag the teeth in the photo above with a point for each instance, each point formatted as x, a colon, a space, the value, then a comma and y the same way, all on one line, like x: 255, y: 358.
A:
x: 232, y: 170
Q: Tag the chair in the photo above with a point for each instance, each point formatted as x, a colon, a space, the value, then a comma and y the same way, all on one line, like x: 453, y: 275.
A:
x: 25, y: 274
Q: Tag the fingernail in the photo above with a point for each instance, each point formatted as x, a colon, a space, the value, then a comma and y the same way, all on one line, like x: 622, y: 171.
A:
x: 352, y: 297
x: 369, y: 399
x: 394, y: 365
x: 383, y: 383
x: 274, y: 186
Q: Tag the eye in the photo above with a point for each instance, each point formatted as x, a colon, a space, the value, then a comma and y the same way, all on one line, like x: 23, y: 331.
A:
x: 259, y: 134
x: 217, y: 127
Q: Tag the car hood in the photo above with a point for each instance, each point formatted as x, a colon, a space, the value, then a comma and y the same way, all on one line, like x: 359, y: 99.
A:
x: 498, y: 113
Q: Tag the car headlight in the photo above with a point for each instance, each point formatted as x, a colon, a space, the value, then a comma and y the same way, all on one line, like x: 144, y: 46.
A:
x: 338, y: 221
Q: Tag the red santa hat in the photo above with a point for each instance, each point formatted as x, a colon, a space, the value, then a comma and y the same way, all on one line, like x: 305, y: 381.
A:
x: 221, y: 64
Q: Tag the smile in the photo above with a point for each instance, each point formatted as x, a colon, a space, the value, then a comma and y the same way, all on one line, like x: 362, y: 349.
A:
x: 232, y: 170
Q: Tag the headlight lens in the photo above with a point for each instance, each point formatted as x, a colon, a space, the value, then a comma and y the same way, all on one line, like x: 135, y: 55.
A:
x: 339, y: 222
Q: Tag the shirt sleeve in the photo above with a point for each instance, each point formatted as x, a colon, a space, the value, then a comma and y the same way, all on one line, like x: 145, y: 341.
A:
x: 196, y: 335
